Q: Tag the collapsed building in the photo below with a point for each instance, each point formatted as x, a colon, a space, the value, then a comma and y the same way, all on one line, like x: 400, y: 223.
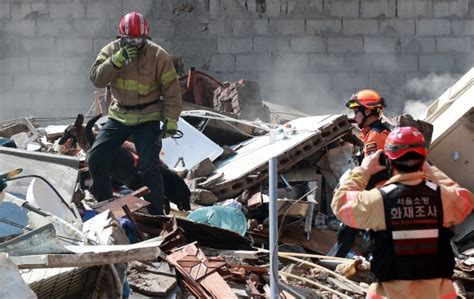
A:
x: 57, y: 241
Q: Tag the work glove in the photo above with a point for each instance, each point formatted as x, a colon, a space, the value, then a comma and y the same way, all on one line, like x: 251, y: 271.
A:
x: 170, y: 127
x: 126, y: 52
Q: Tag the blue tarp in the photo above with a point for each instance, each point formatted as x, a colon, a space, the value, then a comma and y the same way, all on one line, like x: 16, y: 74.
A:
x: 225, y: 217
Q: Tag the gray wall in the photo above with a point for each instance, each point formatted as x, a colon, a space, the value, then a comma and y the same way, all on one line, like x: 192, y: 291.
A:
x: 309, y: 54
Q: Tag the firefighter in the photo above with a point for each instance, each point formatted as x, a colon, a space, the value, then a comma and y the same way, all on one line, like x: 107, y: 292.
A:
x: 145, y: 91
x: 410, y: 214
x: 367, y: 105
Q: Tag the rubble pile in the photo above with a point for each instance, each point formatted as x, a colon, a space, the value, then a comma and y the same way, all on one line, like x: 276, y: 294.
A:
x: 57, y: 241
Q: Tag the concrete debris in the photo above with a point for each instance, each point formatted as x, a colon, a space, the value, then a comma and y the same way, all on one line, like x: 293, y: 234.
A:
x: 154, y: 279
x: 203, y: 169
x: 280, y: 114
x: 424, y: 127
x: 63, y: 243
x: 291, y: 144
x: 203, y: 197
x: 198, y: 88
x: 243, y: 99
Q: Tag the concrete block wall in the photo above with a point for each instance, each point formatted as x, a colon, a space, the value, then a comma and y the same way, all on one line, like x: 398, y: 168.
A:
x: 308, y: 54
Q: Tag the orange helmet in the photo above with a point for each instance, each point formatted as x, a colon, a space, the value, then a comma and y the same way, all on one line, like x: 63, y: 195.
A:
x: 133, y: 24
x: 367, y: 98
x: 403, y: 140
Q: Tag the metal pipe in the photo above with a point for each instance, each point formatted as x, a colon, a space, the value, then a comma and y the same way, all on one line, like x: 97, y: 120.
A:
x: 273, y: 217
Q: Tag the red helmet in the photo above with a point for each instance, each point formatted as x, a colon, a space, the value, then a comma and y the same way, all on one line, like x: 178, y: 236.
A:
x: 133, y: 24
x: 367, y: 98
x: 403, y: 140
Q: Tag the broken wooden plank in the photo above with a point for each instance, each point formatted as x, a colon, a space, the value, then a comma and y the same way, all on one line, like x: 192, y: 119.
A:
x: 355, y: 287
x: 107, y: 254
x: 140, y: 234
x: 132, y: 201
x: 217, y: 287
x: 322, y: 244
x: 200, y: 273
x: 188, y: 281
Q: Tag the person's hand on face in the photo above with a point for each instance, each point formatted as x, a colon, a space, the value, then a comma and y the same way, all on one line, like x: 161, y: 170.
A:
x: 135, y: 42
x: 371, y: 163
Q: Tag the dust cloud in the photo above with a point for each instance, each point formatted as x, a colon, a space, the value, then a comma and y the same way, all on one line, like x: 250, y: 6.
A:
x: 422, y: 92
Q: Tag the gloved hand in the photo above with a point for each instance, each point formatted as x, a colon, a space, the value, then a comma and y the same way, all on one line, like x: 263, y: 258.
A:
x: 171, y: 127
x: 126, y: 52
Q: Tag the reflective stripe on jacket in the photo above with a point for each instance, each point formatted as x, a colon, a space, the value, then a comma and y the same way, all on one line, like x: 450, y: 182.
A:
x: 374, y: 137
x: 363, y: 209
x: 144, y: 79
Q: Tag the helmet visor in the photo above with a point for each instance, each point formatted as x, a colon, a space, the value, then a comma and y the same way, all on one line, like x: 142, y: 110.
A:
x: 395, y: 148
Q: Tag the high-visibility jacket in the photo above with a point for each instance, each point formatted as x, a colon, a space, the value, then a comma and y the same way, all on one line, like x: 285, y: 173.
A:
x: 364, y: 209
x: 146, y: 88
x: 374, y: 137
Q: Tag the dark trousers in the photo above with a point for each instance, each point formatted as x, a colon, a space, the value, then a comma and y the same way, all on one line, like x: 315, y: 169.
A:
x: 345, y: 241
x: 147, y: 139
x: 346, y: 235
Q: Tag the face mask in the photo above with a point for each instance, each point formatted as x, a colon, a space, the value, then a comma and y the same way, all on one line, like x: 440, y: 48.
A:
x: 137, y: 42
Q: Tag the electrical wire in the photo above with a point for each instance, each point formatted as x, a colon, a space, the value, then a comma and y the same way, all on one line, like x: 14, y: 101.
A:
x: 48, y: 183
x: 218, y: 116
x: 291, y: 207
x: 229, y: 120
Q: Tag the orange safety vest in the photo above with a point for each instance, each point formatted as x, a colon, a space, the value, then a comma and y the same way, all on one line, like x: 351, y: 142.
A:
x: 374, y: 137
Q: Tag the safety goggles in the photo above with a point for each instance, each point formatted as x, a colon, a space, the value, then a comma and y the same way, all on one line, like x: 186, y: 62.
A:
x: 133, y: 41
x: 359, y: 109
x: 395, y: 148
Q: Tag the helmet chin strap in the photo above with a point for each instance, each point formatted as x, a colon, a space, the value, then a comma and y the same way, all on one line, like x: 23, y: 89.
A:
x: 389, y: 167
x: 364, y: 120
